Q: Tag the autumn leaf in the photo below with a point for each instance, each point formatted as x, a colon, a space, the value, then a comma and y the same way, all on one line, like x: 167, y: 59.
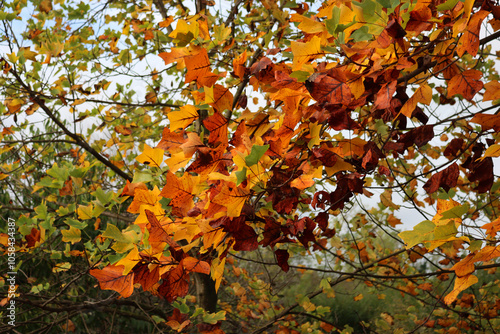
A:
x: 384, y: 96
x: 491, y: 91
x: 466, y: 84
x: 233, y: 199
x: 303, y: 52
x: 329, y: 88
x: 461, y: 283
x: 151, y: 156
x: 158, y: 237
x: 423, y: 94
x: 487, y: 121
x: 469, y: 42
x: 112, y: 278
x: 198, y: 69
x: 183, y: 117
x: 195, y: 265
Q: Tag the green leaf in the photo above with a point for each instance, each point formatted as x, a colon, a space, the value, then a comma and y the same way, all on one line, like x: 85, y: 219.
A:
x: 165, y: 203
x: 241, y: 176
x: 102, y: 196
x: 301, y: 76
x: 448, y: 5
x: 72, y: 235
x: 114, y: 233
x: 456, y: 212
x: 212, y: 318
x: 361, y: 34
x: 332, y: 24
x: 75, y: 223
x: 143, y: 176
x: 41, y: 211
x: 421, y: 232
x: 59, y: 173
x: 255, y: 155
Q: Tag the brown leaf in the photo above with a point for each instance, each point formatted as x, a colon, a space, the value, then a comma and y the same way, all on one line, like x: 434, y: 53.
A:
x: 446, y: 178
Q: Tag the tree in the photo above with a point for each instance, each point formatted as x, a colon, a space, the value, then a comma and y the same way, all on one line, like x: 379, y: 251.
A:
x: 158, y: 156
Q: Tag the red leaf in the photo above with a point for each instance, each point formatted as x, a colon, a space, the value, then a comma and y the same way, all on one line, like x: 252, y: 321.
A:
x: 175, y: 284
x: 33, y: 237
x: 446, y: 178
x: 282, y: 258
x: 329, y: 87
x: 146, y: 277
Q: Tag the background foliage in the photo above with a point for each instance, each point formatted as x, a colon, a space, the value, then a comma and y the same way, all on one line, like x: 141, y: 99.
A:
x: 247, y: 166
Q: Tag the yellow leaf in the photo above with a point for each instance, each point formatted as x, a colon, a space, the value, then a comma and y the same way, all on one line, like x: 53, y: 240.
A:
x: 27, y: 53
x: 358, y: 297
x: 442, y: 206
x: 422, y: 95
x: 308, y: 25
x: 304, y: 52
x: 151, y: 156
x: 177, y: 161
x: 492, y: 151
x: 185, y: 32
x: 340, y: 165
x: 314, y: 129
x: 357, y: 87
x: 129, y: 261
x: 85, y: 212
x: 180, y: 119
x: 217, y: 271
x: 386, y: 199
x: 72, y: 235
x: 232, y: 199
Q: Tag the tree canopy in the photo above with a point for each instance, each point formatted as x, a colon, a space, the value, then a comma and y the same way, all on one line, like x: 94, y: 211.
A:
x: 226, y: 166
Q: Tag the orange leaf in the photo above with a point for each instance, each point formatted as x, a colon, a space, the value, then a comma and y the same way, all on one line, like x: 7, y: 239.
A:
x: 384, y: 96
x: 175, y: 55
x: 239, y: 65
x: 157, y: 235
x: 195, y: 265
x: 492, y: 91
x: 198, y: 69
x: 111, y: 278
x: 487, y: 121
x: 492, y: 228
x: 469, y: 42
x: 465, y: 266
x: 461, y: 283
x: 179, y: 190
x: 466, y: 84
x: 171, y: 141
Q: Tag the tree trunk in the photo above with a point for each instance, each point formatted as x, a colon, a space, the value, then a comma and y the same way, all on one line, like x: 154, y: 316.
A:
x: 206, y: 296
